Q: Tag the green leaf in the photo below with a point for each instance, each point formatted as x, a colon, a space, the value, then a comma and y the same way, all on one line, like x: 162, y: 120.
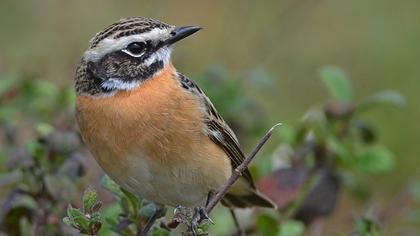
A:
x: 79, y: 220
x: 148, y: 210
x: 291, y: 228
x: 387, y: 98
x: 288, y: 134
x: 95, y: 223
x: 366, y: 226
x: 112, y: 211
x: 25, y: 201
x: 96, y: 217
x: 339, y: 148
x: 337, y: 83
x: 89, y: 200
x: 267, y: 225
x: 67, y: 220
x: 82, y: 223
x: 25, y: 227
x: 35, y: 148
x: 44, y: 129
x: 157, y: 231
x: 109, y: 184
x: 125, y: 205
x: 133, y: 202
x: 375, y: 160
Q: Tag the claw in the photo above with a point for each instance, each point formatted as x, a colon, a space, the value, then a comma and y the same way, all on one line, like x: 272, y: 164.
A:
x: 195, y: 221
x: 199, y: 215
x: 177, y: 209
x: 194, y: 227
x: 204, y: 215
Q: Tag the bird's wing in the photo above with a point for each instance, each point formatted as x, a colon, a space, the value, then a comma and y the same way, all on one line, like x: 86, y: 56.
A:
x: 218, y: 131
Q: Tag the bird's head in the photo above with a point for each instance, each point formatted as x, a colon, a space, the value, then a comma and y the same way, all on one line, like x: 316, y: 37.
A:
x: 126, y: 53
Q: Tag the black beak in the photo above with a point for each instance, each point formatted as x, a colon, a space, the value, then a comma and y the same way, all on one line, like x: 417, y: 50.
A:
x: 181, y: 33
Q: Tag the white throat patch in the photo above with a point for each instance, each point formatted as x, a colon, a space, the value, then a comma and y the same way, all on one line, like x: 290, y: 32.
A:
x: 117, y: 84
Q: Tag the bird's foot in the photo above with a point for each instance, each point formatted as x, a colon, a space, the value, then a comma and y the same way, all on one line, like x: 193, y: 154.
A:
x: 182, y: 214
x: 204, y: 215
x: 200, y: 215
x: 177, y: 209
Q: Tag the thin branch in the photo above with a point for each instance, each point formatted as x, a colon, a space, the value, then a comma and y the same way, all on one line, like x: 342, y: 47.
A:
x: 239, y: 170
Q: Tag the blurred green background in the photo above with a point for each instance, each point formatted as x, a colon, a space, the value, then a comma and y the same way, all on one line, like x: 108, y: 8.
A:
x: 282, y: 44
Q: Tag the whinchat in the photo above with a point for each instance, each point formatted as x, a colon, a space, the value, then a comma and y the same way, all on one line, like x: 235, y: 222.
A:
x: 150, y: 128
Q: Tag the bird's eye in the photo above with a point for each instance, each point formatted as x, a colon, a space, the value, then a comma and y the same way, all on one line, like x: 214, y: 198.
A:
x: 135, y: 49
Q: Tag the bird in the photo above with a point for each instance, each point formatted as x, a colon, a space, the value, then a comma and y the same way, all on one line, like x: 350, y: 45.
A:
x: 149, y: 127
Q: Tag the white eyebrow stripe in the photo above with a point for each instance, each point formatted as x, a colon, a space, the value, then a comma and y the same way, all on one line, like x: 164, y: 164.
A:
x: 108, y: 45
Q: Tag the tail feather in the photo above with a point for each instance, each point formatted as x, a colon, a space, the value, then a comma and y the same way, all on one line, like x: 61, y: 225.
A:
x: 255, y: 199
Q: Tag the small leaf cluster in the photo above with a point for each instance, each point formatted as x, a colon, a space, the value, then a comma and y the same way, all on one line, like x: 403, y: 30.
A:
x: 88, y: 220
x: 129, y: 214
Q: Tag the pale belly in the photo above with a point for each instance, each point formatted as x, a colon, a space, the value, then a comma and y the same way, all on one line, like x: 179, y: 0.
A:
x: 168, y: 186
x: 186, y: 183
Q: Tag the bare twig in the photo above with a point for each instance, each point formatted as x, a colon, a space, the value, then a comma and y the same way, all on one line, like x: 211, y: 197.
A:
x: 238, y: 171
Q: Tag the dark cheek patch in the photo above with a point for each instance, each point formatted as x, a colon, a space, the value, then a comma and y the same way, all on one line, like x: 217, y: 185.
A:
x: 119, y: 65
x: 153, y: 68
x: 116, y: 65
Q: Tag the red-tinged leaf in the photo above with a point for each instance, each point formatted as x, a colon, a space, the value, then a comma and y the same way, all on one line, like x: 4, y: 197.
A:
x: 283, y: 185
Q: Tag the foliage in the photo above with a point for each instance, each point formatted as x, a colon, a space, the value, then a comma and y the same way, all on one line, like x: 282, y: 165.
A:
x: 366, y: 226
x: 88, y: 221
x: 333, y: 148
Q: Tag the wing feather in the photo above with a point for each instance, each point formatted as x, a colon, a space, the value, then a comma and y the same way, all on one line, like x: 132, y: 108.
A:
x: 218, y: 130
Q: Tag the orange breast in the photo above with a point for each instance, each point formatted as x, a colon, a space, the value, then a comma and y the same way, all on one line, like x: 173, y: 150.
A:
x: 161, y: 124
x: 156, y: 118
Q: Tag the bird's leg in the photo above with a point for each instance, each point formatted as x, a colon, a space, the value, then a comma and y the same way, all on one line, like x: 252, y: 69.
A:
x: 201, y: 214
x: 194, y: 221
x: 210, y: 195
x: 160, y: 211
x: 204, y: 215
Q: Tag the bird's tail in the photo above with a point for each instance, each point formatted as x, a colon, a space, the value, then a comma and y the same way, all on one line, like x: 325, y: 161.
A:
x: 254, y: 199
